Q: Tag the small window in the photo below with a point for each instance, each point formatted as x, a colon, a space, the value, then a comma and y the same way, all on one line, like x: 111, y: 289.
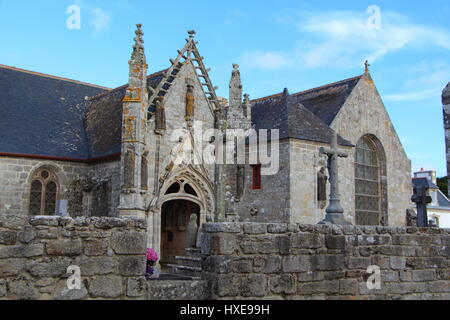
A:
x: 43, y: 193
x: 256, y: 177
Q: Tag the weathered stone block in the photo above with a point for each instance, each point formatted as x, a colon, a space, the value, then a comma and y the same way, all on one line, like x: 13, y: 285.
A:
x: 44, y: 221
x: 136, y: 287
x: 277, y: 228
x: 216, y: 264
x: 227, y: 227
x: 98, y: 266
x: 271, y: 264
x: 11, y: 267
x: 64, y: 247
x: 8, y: 237
x: 335, y: 242
x: 129, y: 242
x: 326, y: 287
x: 359, y: 263
x: 283, y: 244
x: 22, y: 251
x: 106, y: 287
x: 327, y: 262
x: 61, y: 292
x: 296, y: 263
x: 96, y: 247
x: 26, y: 236
x: 254, y: 285
x: 398, y: 263
x: 284, y: 284
x: 242, y: 265
x: 308, y: 240
x: 2, y: 288
x: 310, y: 276
x: 44, y: 267
x: 223, y: 244
x: 22, y: 290
x: 349, y: 286
x: 255, y: 228
x: 132, y: 265
x: 108, y: 223
x: 227, y: 285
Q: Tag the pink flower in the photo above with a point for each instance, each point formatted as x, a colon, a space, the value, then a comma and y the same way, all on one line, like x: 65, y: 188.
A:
x: 152, y: 255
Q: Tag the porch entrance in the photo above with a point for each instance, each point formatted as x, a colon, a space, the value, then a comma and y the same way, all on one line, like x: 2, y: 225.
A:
x: 175, y: 216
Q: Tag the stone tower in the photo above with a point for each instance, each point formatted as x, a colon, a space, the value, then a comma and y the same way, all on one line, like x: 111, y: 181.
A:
x: 446, y: 104
x: 134, y: 177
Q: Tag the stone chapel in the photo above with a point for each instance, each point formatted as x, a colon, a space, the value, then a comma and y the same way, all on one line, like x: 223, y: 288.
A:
x: 76, y: 149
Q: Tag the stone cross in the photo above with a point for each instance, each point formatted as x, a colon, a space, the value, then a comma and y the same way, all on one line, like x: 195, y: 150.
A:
x: 422, y: 199
x: 335, y: 212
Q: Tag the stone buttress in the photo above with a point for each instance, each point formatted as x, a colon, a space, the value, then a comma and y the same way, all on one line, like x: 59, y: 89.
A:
x: 134, y: 178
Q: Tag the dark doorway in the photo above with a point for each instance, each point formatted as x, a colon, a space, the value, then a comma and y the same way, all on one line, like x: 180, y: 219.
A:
x: 175, y: 216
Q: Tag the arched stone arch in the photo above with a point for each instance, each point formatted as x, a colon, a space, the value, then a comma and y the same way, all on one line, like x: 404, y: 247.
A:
x: 204, y: 199
x: 53, y: 184
x: 371, y: 190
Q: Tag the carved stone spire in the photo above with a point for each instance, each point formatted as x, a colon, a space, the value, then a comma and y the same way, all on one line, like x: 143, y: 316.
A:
x: 235, y: 87
x: 138, y: 54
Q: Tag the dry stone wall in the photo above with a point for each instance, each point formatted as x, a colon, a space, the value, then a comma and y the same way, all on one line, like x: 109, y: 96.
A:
x: 283, y: 261
x: 35, y: 253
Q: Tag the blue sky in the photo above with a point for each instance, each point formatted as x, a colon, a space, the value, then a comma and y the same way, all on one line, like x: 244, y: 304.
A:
x: 293, y: 44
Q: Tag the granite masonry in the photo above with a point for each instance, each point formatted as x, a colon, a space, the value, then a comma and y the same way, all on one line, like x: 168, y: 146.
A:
x: 286, y: 261
x: 35, y: 253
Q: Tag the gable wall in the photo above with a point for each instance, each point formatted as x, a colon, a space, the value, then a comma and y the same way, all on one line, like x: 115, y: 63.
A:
x: 174, y: 104
x: 364, y: 113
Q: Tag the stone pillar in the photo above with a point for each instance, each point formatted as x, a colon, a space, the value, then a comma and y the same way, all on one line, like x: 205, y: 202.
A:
x: 134, y: 128
x: 446, y: 107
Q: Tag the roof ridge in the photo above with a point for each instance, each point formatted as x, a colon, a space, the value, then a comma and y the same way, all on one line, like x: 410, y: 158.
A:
x: 123, y: 86
x: 53, y: 77
x: 309, y: 90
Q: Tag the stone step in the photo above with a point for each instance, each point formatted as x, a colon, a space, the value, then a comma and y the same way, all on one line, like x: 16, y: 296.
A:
x: 178, y: 290
x: 194, y: 252
x: 189, y: 261
x: 186, y: 270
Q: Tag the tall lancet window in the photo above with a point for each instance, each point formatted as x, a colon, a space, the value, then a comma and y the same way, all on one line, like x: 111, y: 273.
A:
x: 43, y: 193
x: 369, y: 185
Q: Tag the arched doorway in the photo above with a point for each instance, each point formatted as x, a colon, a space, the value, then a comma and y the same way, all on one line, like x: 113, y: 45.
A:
x: 175, y: 216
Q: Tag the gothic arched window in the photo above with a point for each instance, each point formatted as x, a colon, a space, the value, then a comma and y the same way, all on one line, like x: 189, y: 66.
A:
x: 370, y: 188
x: 43, y: 193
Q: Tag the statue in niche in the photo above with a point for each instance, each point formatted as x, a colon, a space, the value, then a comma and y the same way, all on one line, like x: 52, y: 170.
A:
x: 190, y: 101
x: 192, y: 231
x: 160, y: 115
x: 129, y: 168
x: 322, y: 180
x: 144, y: 172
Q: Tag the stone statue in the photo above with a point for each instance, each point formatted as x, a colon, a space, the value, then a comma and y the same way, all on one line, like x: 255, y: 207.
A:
x: 192, y: 230
x: 322, y: 188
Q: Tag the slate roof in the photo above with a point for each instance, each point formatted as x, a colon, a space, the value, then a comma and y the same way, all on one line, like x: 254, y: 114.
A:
x: 47, y: 116
x: 324, y: 102
x: 424, y: 182
x: 305, y: 115
x: 42, y: 115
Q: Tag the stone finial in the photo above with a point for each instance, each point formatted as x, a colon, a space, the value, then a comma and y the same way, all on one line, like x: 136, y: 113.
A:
x: 446, y: 95
x: 235, y: 87
x: 366, y: 67
x: 191, y: 34
x: 138, y: 47
x: 285, y: 92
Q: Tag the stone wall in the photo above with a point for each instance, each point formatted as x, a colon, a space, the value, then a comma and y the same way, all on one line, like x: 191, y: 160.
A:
x: 16, y: 177
x: 281, y: 261
x: 35, y: 253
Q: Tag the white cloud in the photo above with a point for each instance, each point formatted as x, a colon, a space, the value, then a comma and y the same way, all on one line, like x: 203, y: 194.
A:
x: 100, y: 20
x: 413, y: 96
x: 265, y: 60
x: 343, y: 38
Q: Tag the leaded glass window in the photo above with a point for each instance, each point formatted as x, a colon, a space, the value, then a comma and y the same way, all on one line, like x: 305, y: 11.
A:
x: 43, y: 193
x: 367, y: 183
